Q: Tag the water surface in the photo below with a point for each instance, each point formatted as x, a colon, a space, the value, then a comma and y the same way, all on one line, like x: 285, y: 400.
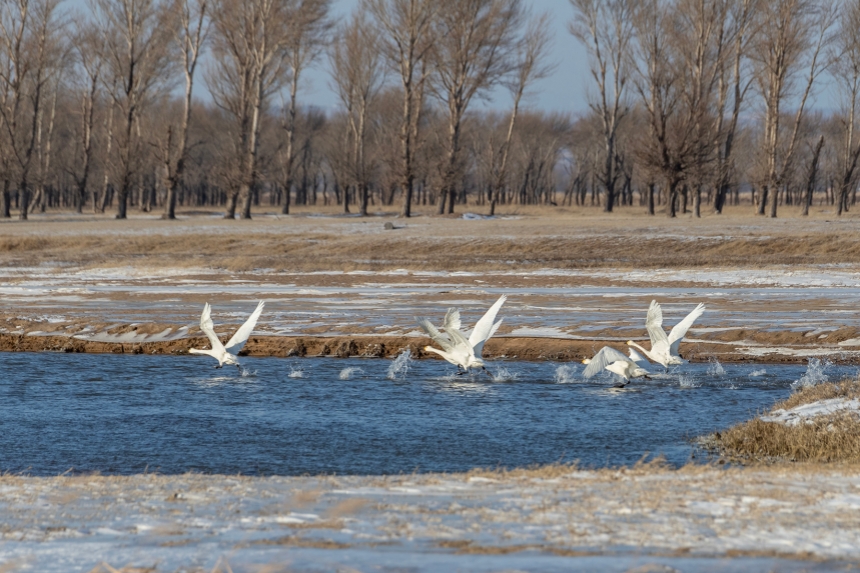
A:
x: 124, y: 414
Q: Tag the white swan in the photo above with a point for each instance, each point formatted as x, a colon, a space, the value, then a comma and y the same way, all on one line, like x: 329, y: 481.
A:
x: 226, y: 354
x: 614, y: 361
x: 456, y: 348
x: 664, y: 349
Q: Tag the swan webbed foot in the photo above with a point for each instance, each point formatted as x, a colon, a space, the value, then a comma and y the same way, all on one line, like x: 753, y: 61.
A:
x: 487, y: 372
x: 219, y: 366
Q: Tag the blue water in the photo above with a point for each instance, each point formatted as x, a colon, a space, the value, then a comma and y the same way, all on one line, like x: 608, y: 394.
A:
x: 124, y: 414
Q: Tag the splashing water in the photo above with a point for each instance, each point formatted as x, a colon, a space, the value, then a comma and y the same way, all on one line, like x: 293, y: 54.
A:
x: 815, y: 374
x: 688, y: 382
x: 400, y: 366
x: 296, y: 372
x: 565, y: 374
x: 757, y: 373
x: 715, y: 368
x: 245, y: 373
x: 502, y: 374
x: 347, y: 373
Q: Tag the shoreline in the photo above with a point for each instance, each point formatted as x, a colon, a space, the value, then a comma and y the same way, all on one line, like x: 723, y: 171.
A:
x: 386, y: 347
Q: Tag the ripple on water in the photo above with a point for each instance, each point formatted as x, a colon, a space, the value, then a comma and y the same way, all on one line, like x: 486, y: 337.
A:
x: 173, y: 414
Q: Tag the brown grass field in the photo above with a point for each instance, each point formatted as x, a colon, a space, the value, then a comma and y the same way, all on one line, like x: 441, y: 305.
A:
x: 526, y: 237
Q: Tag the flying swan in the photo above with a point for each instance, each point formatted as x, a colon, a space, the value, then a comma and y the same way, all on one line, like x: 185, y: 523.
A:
x: 456, y: 348
x: 226, y: 354
x: 664, y: 349
x: 614, y: 361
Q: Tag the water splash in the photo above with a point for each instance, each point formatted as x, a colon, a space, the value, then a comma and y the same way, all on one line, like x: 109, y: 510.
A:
x: 245, y: 373
x: 502, y: 374
x: 685, y: 381
x: 400, y: 366
x: 715, y: 368
x: 565, y: 374
x: 757, y: 373
x: 815, y: 374
x: 296, y: 372
x: 347, y: 373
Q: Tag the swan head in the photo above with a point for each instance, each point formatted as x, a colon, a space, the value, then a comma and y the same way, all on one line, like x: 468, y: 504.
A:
x: 675, y: 360
x: 631, y: 343
x: 637, y: 372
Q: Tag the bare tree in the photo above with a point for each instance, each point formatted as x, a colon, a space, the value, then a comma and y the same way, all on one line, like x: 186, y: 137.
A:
x: 530, y: 66
x: 309, y: 27
x: 357, y: 74
x: 605, y: 28
x: 846, y: 72
x: 193, y: 19
x: 408, y: 30
x: 733, y: 87
x: 250, y: 61
x: 138, y: 37
x: 88, y: 49
x: 789, y: 41
x: 30, y: 41
x: 472, y: 53
x: 675, y: 101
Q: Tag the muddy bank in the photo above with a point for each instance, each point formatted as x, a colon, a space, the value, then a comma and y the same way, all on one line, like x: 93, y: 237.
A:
x: 519, y: 348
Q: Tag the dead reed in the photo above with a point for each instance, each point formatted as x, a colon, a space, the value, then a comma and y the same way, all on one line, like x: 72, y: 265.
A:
x: 825, y: 439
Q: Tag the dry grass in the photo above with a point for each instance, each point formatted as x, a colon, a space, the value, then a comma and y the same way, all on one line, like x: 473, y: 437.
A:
x: 565, y: 239
x: 824, y: 439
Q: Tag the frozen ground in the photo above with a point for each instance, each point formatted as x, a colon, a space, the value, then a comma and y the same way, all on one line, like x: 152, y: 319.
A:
x: 555, y: 519
x: 782, y: 312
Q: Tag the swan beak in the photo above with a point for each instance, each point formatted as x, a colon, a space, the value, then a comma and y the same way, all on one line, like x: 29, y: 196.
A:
x: 647, y: 377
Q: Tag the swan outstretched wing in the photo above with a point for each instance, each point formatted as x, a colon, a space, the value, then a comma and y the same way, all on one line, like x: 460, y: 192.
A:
x: 235, y: 344
x: 636, y: 357
x: 654, y: 326
x: 487, y: 326
x: 434, y: 334
x: 452, y: 319
x: 601, y: 360
x: 680, y: 329
x: 209, y: 329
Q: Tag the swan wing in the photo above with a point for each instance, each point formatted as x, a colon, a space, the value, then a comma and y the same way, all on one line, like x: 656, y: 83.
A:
x: 654, y: 325
x: 209, y: 329
x: 458, y: 338
x: 636, y: 357
x: 602, y: 359
x: 452, y: 319
x: 479, y: 347
x: 680, y: 329
x: 235, y: 344
x: 434, y: 334
x: 486, y: 327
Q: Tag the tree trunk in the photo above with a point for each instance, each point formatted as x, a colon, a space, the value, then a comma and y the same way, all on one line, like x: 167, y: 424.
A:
x: 811, y: 176
x: 650, y: 198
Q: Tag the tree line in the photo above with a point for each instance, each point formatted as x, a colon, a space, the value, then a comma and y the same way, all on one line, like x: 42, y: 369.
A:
x: 691, y: 102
